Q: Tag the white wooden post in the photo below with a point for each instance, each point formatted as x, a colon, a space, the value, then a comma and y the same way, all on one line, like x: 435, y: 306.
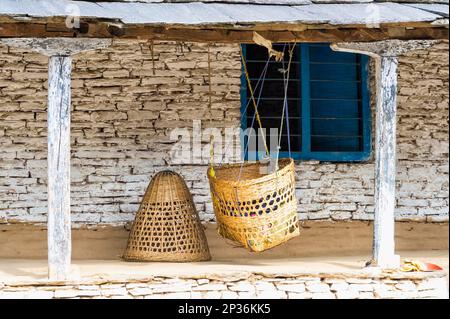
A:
x: 59, y: 51
x: 58, y: 122
x: 385, y: 54
x: 385, y: 162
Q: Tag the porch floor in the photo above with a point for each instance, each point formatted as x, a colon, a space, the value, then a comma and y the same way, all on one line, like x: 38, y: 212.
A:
x: 330, y: 248
x: 26, y: 271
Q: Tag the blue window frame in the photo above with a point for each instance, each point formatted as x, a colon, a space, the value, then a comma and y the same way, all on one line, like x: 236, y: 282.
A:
x: 328, y: 102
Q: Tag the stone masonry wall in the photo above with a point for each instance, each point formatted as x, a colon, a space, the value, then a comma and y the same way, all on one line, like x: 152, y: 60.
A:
x: 125, y: 105
x: 253, y: 287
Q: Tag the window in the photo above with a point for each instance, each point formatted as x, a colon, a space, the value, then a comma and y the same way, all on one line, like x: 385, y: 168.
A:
x: 328, y: 102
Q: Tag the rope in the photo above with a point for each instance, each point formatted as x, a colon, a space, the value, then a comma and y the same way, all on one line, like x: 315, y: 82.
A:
x: 212, y: 173
x: 291, y: 51
x: 211, y: 136
x: 253, y: 99
x: 287, y: 113
x: 253, y: 120
x: 244, y: 112
x: 209, y: 77
x: 263, y: 75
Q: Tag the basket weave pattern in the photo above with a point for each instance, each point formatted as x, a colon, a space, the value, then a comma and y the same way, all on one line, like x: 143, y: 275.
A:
x: 256, y: 210
x: 167, y: 226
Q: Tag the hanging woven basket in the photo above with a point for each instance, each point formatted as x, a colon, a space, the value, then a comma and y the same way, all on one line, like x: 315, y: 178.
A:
x: 252, y: 208
x: 167, y: 226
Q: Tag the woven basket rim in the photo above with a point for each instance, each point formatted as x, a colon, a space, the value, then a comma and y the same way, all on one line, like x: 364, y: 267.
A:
x: 287, y: 162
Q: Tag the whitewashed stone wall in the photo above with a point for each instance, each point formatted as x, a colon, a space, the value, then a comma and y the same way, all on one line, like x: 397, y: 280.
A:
x: 253, y: 287
x: 125, y: 105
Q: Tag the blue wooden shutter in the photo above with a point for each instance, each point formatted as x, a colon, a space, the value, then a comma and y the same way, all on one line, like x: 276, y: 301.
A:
x: 329, y: 104
x: 337, y: 101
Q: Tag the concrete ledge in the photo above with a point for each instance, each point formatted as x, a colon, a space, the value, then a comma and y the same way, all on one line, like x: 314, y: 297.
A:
x: 242, y: 285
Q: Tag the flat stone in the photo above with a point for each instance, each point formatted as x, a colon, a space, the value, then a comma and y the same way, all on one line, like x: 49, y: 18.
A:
x: 303, y: 295
x: 230, y: 295
x: 406, y: 286
x: 383, y: 293
x: 198, y: 295
x: 140, y: 291
x: 121, y: 297
x: 12, y: 295
x: 299, y: 288
x: 347, y: 294
x: 323, y: 295
x: 247, y: 295
x: 317, y: 287
x: 114, y: 291
x: 271, y: 294
x: 339, y: 286
x: 409, y: 294
x: 431, y: 283
x: 66, y: 293
x: 88, y: 287
x: 210, y: 287
x: 112, y: 286
x: 433, y: 293
x: 308, y: 279
x: 242, y: 286
x: 176, y: 295
x: 166, y: 288
x: 212, y: 295
x: 88, y: 293
x: 359, y: 281
x: 264, y: 286
x: 366, y: 295
x: 334, y: 281
x: 135, y: 285
x: 361, y: 287
x: 40, y: 294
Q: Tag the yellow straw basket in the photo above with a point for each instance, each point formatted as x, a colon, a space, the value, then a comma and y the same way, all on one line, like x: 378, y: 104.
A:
x: 255, y: 209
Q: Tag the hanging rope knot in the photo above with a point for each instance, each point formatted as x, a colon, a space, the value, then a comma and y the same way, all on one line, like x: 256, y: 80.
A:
x: 258, y: 39
x: 278, y: 56
x: 291, y: 52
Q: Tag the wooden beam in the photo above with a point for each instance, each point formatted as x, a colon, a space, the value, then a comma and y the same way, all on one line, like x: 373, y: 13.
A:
x: 223, y: 34
x: 58, y: 122
x: 386, y: 55
x: 57, y: 46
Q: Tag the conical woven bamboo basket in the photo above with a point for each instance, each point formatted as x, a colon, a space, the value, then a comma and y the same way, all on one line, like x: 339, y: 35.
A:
x: 255, y: 209
x: 167, y: 226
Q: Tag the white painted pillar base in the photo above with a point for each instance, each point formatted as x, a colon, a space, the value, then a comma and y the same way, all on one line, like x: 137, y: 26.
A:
x: 385, y: 54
